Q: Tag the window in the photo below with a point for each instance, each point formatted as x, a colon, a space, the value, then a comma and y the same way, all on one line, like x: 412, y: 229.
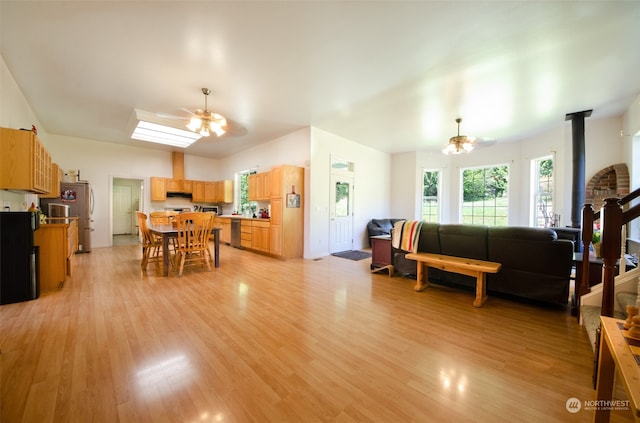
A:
x: 430, y: 196
x: 542, y: 193
x: 342, y: 199
x: 484, y: 195
x: 245, y: 206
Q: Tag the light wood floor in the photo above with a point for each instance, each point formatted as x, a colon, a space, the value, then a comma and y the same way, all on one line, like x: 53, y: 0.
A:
x: 264, y: 340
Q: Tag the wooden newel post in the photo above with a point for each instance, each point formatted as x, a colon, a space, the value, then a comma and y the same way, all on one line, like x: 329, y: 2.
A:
x: 587, y: 235
x: 611, y: 219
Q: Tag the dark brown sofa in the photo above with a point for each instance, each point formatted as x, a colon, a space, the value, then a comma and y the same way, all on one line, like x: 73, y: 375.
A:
x: 536, y: 265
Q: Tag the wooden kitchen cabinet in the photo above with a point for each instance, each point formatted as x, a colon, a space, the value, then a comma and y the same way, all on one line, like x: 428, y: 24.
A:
x: 224, y: 223
x: 198, y: 192
x: 54, y: 182
x: 287, y: 222
x: 186, y: 185
x: 252, y: 188
x: 25, y: 165
x: 260, y: 186
x: 179, y: 185
x: 224, y: 191
x: 210, y: 192
x: 158, y: 189
x: 246, y: 233
x: 260, y: 237
x: 275, y: 230
x: 173, y: 185
x: 57, y: 242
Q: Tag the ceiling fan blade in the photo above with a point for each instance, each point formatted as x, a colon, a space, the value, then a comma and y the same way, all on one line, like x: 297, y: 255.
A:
x: 191, y: 112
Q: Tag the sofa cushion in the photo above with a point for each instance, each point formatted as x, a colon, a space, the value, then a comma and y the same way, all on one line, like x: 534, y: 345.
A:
x: 377, y: 227
x: 464, y: 241
x: 535, y: 263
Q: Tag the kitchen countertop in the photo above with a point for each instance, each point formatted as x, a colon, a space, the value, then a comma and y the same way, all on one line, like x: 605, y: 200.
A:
x: 239, y: 216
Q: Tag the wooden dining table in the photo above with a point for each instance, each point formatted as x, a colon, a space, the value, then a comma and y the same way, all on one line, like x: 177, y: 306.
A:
x: 168, y: 231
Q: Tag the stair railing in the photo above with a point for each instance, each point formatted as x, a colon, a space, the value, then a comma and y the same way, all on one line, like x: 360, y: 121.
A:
x: 613, y: 220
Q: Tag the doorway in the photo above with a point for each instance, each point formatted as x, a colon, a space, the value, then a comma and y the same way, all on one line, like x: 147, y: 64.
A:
x: 126, y: 199
x: 341, y: 207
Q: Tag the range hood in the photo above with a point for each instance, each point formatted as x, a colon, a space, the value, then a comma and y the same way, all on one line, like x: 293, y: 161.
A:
x: 177, y: 162
x: 179, y: 195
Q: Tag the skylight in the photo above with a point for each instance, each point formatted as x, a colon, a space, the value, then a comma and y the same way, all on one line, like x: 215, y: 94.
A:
x: 152, y: 129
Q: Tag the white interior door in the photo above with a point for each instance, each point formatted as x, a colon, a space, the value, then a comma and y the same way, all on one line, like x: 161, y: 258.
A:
x: 341, y: 213
x: 122, y: 210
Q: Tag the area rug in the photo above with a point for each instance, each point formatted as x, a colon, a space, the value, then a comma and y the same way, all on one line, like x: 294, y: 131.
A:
x: 353, y: 255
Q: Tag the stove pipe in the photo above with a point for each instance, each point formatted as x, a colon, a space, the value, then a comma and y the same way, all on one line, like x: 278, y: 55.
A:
x: 578, y: 183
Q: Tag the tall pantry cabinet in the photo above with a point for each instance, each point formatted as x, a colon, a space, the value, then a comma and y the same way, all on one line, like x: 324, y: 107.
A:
x: 287, y: 211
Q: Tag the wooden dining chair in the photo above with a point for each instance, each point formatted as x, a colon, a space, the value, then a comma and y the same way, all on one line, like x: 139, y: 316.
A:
x: 162, y: 216
x: 151, y: 245
x: 192, y: 246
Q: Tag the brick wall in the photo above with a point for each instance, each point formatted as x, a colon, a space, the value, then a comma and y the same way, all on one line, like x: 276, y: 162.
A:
x: 612, y: 181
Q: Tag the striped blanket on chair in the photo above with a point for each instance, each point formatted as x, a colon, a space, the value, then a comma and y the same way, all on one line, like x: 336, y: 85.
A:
x: 405, y: 234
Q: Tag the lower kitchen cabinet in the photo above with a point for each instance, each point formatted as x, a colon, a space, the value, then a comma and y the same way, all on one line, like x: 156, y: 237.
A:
x: 260, y: 236
x: 246, y: 234
x: 57, y: 242
x: 224, y: 224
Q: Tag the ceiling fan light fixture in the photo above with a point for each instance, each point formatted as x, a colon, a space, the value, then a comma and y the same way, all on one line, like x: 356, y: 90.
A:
x: 204, y: 122
x: 460, y: 143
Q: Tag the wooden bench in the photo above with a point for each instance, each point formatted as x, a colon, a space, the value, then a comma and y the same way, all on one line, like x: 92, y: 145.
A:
x: 464, y: 266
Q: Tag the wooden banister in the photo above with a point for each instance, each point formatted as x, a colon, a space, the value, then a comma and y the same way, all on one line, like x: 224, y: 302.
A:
x: 612, y: 218
x: 610, y: 251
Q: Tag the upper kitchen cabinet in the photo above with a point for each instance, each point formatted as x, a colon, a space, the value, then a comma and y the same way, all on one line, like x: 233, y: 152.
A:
x: 224, y: 191
x: 180, y: 185
x: 158, y: 189
x: 54, y: 182
x: 204, y: 192
x: 260, y: 186
x: 25, y: 165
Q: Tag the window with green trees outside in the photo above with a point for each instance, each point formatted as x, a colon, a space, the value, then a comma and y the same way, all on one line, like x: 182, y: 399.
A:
x: 485, y: 198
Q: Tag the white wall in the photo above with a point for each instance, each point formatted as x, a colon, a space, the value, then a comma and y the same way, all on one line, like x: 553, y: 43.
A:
x: 371, y: 189
x: 603, y: 148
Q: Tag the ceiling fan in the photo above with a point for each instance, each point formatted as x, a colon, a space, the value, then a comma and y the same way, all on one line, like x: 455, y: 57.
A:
x: 462, y: 143
x: 206, y: 122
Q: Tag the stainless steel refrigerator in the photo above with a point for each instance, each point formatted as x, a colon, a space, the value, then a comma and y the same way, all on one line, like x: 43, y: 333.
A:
x: 79, y: 197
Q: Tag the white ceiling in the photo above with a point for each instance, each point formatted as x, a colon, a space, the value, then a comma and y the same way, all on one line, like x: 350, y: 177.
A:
x: 393, y: 75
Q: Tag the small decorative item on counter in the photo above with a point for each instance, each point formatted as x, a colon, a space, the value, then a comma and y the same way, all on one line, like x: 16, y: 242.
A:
x: 33, y: 208
x: 632, y: 311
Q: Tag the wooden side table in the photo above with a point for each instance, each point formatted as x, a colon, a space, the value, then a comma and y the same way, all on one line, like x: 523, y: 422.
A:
x: 616, y: 356
x: 381, y: 254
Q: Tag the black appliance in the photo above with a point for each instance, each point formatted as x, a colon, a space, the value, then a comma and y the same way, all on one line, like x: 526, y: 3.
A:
x: 215, y: 209
x: 19, y: 279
